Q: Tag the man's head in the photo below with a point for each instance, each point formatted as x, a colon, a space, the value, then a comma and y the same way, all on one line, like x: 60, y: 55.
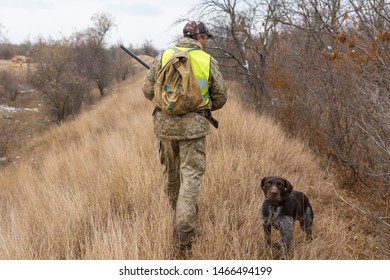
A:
x: 197, y: 30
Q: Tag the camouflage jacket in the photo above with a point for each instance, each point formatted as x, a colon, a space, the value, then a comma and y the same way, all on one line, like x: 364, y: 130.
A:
x: 190, y: 125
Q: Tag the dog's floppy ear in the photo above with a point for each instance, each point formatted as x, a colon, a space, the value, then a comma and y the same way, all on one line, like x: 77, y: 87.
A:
x: 287, y: 188
x: 262, y: 182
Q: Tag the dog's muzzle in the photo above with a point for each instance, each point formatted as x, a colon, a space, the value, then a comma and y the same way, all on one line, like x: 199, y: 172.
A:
x: 273, y: 194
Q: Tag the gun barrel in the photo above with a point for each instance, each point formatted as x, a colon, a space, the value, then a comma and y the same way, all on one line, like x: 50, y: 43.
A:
x: 135, y: 56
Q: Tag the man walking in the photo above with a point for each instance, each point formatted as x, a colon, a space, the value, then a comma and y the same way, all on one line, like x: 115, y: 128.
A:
x: 182, y: 138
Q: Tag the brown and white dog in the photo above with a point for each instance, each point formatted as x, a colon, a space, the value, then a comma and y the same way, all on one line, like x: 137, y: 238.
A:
x: 283, y: 206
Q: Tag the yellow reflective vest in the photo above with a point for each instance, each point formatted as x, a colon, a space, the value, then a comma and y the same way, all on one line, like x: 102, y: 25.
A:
x: 201, y: 66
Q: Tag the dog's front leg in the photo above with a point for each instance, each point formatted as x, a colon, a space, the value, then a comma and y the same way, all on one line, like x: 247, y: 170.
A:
x: 286, y: 230
x: 267, y: 233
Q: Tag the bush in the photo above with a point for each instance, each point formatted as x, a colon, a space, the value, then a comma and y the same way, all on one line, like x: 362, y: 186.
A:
x: 59, y: 78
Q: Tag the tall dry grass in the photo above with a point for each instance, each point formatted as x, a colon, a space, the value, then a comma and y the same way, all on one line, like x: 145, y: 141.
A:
x: 93, y: 190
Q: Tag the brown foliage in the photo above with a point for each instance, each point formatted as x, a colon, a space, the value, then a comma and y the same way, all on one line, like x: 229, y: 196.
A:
x: 341, y: 37
x: 384, y: 36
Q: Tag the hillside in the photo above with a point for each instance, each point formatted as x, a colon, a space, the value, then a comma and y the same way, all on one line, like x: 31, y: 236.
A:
x: 92, y: 189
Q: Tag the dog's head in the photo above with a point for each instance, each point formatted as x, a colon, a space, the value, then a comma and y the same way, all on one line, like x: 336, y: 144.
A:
x: 276, y: 188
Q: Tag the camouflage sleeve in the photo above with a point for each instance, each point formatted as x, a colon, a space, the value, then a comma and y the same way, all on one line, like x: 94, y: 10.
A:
x: 150, y: 80
x: 218, y: 92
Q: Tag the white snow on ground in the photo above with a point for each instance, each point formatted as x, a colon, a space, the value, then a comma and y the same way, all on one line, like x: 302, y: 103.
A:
x: 4, y: 108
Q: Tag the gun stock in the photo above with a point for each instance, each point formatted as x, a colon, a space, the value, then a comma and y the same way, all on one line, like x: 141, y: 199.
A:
x: 213, y: 122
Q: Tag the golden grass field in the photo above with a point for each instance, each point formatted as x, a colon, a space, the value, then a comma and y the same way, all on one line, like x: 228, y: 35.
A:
x: 92, y: 189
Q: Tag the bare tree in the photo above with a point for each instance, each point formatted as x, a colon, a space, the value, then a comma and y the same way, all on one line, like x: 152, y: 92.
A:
x: 148, y: 49
x: 1, y: 33
x: 59, y: 78
x: 122, y: 66
x: 90, y: 46
x: 244, y: 37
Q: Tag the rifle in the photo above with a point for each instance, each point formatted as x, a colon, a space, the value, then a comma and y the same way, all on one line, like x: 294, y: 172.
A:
x: 214, y: 122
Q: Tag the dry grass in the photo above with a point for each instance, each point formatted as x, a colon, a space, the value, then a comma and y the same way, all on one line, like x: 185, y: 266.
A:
x: 94, y: 190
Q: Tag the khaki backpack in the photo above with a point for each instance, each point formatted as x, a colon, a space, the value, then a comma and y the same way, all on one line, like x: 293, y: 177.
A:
x: 177, y: 91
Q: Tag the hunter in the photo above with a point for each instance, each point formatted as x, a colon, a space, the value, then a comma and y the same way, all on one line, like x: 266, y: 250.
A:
x: 182, y: 138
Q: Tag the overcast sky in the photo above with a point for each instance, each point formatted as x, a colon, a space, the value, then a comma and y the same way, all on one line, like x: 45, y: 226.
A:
x: 136, y: 20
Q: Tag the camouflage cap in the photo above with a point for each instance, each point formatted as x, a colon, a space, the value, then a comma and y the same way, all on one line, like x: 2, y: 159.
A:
x: 196, y: 27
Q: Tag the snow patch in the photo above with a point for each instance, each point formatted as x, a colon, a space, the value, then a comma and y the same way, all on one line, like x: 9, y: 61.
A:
x: 9, y: 109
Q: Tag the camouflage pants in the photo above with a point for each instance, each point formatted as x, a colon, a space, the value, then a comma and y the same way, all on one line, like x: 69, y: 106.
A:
x: 184, y: 164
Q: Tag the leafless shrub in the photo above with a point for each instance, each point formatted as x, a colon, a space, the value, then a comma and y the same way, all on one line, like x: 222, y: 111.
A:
x: 90, y: 48
x: 59, y: 79
x: 147, y: 48
x: 11, y: 83
x: 122, y: 66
